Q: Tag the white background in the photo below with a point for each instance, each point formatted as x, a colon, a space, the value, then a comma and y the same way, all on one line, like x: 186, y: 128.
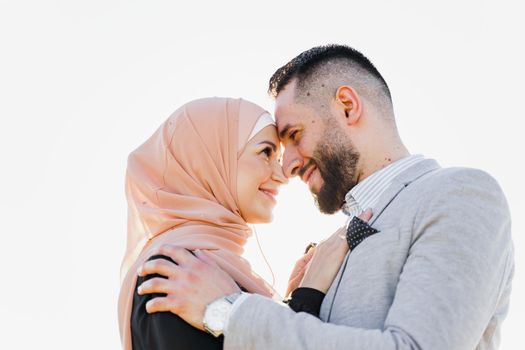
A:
x: 84, y: 83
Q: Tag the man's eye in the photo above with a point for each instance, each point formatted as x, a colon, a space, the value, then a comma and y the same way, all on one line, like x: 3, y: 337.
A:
x: 293, y: 135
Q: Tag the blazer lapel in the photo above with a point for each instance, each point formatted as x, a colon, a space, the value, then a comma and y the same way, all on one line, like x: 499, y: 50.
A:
x: 399, y: 183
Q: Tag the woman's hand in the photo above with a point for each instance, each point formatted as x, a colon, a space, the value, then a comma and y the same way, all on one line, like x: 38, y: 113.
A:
x: 327, y: 258
x: 298, y: 271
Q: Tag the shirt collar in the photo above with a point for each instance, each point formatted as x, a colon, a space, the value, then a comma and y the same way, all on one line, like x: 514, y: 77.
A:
x: 366, y: 193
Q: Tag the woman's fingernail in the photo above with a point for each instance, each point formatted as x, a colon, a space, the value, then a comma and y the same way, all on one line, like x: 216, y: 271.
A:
x: 139, y: 290
x: 139, y: 270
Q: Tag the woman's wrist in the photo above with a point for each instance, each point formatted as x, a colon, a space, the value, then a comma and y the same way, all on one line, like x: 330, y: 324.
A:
x: 308, y: 300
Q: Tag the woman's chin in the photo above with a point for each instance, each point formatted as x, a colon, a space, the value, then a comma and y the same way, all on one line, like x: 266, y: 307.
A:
x: 261, y: 218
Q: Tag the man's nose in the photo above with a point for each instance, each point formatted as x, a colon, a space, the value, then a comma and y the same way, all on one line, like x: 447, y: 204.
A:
x: 292, y: 162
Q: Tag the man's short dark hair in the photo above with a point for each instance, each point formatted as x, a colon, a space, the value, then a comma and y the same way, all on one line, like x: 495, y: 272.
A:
x: 308, y: 64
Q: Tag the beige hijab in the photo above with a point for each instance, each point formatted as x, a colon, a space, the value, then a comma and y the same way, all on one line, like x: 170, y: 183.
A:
x: 181, y: 189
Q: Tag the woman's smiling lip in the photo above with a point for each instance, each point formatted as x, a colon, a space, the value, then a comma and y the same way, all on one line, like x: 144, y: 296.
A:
x: 270, y: 192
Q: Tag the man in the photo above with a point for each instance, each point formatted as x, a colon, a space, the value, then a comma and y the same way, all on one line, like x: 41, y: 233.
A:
x: 438, y: 273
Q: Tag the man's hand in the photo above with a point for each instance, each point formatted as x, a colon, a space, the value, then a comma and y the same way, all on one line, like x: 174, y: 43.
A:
x: 190, y: 286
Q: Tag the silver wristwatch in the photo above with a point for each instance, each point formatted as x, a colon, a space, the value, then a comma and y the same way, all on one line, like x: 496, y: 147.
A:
x: 217, y: 314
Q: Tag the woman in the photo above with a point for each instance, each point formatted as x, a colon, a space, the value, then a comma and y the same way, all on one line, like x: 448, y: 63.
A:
x: 210, y: 169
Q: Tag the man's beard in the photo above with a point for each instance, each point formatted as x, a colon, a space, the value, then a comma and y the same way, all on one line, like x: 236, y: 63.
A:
x: 337, y: 163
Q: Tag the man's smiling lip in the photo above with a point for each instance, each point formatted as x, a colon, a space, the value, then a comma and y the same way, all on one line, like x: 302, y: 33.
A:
x: 308, y: 173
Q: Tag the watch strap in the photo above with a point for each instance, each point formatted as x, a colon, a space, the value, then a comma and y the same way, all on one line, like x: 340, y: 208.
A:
x: 232, y: 297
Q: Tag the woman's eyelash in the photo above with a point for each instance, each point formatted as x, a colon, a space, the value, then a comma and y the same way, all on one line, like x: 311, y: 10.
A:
x: 268, y: 151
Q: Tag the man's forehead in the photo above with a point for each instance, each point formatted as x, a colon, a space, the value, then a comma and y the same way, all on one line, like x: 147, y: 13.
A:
x: 286, y: 97
x: 283, y: 121
x: 286, y: 108
x: 289, y: 114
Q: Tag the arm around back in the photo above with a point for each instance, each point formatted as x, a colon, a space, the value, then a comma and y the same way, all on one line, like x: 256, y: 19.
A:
x: 458, y: 266
x: 165, y: 330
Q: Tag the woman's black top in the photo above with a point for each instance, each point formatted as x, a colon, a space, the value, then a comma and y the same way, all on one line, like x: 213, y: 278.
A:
x: 167, y: 331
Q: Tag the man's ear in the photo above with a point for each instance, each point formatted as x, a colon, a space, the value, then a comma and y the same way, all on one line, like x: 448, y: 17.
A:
x: 350, y: 102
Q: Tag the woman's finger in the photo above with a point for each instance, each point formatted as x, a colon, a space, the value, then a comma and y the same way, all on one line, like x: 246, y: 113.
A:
x: 310, y: 247
x: 366, y: 215
x: 306, y: 258
x: 302, y: 262
x: 339, y: 234
x: 299, y: 270
x: 333, y: 241
x: 158, y: 266
x: 156, y: 285
x: 339, y: 239
x: 295, y: 280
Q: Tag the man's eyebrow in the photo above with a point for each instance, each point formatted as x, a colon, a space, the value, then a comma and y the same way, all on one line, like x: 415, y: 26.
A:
x: 273, y: 145
x: 284, y: 131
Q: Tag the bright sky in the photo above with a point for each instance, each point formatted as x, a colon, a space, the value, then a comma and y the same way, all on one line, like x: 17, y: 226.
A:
x: 84, y: 83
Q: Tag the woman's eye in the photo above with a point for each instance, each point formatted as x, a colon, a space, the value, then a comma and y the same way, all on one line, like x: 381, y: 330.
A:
x: 268, y: 151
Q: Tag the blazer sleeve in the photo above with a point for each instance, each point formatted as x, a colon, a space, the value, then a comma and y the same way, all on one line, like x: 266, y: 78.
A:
x: 459, y: 263
x: 165, y: 330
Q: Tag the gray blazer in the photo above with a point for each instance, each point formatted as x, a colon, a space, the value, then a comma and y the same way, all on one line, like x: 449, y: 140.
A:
x: 437, y: 275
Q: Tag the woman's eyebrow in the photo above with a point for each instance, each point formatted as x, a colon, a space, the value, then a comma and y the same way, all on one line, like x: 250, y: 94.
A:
x: 270, y: 143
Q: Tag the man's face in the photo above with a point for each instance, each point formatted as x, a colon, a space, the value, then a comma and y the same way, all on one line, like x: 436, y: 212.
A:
x: 316, y: 149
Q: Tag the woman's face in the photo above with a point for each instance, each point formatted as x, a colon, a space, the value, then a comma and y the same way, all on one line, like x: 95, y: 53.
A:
x: 259, y: 176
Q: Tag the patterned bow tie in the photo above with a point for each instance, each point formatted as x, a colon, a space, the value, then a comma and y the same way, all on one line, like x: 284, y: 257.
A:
x: 357, y: 231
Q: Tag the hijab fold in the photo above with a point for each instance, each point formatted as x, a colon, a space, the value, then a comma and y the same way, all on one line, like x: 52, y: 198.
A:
x: 181, y: 189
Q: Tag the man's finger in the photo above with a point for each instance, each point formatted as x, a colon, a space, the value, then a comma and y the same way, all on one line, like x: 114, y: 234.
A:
x: 204, y: 257
x: 158, y: 266
x: 156, y: 285
x: 162, y: 304
x: 178, y: 254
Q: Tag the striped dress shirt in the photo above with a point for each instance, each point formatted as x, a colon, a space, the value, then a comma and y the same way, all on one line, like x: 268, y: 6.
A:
x: 366, y: 193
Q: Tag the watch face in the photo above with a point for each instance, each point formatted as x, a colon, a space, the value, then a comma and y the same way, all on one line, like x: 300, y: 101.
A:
x: 215, y: 315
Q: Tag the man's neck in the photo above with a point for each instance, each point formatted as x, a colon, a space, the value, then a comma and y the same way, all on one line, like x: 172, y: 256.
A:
x: 385, y: 159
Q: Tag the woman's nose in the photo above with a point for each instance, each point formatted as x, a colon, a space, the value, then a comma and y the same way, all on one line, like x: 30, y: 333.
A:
x: 278, y: 174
